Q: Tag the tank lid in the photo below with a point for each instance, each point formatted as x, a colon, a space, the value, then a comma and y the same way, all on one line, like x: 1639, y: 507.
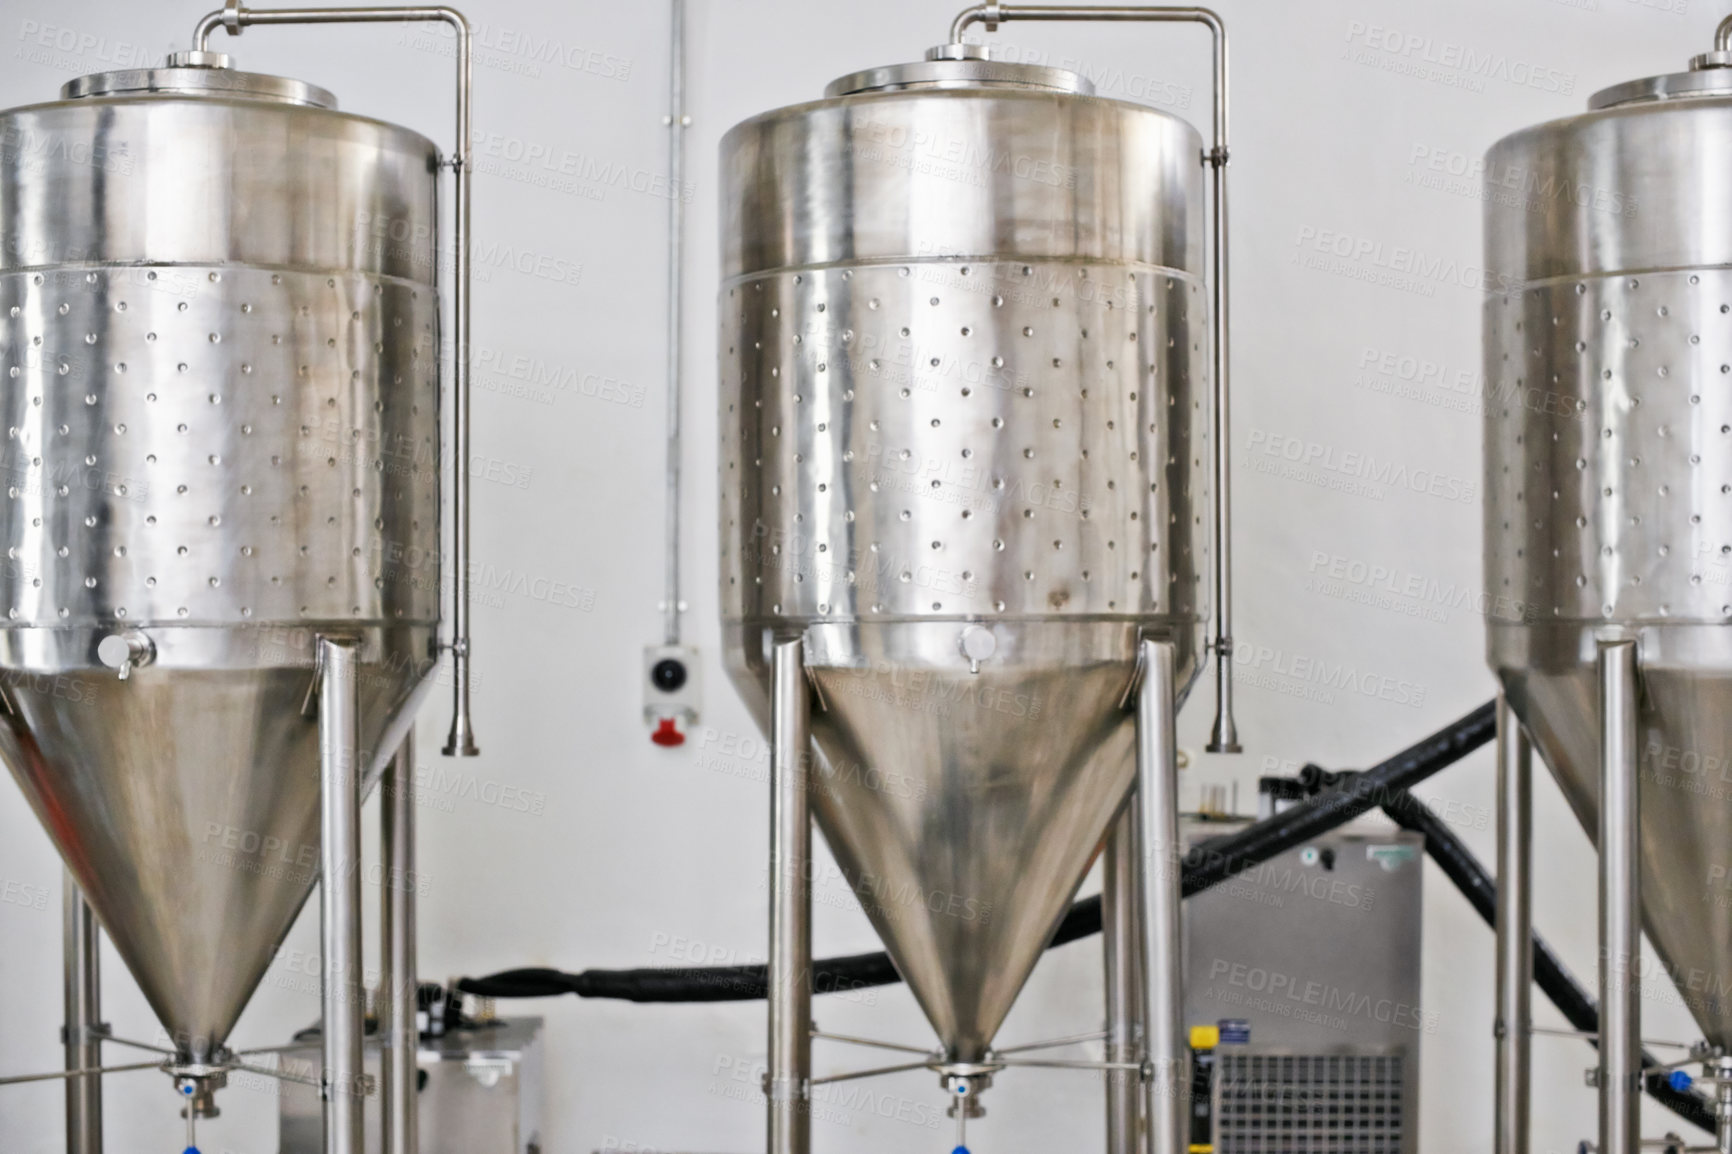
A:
x: 960, y: 66
x: 1710, y: 75
x: 199, y: 74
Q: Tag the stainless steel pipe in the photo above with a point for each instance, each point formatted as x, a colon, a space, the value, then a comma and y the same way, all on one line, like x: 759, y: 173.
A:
x: 1224, y: 733
x: 398, y: 980
x: 234, y: 18
x: 787, y: 1083
x: 83, y: 993
x: 1168, y: 1086
x: 1122, y: 954
x: 1515, y: 959
x: 1620, y: 1053
x: 341, y: 991
x: 677, y: 122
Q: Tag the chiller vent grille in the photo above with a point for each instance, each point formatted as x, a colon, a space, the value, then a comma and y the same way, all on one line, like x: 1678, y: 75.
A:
x: 1308, y: 1104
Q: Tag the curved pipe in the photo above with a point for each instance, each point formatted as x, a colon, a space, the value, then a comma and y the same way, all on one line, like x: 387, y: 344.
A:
x: 1723, y: 36
x: 1224, y: 733
x: 234, y: 18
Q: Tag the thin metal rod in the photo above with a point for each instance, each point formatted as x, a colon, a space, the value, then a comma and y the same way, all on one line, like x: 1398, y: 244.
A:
x: 341, y: 991
x: 286, y: 1048
x: 1052, y: 1043
x: 1620, y: 1050
x: 1061, y: 1064
x: 82, y: 1031
x: 1122, y: 959
x: 1515, y: 956
x: 677, y: 123
x: 1224, y: 733
x: 1167, y: 1090
x: 1723, y: 36
x: 876, y: 1045
x: 139, y: 1045
x: 398, y: 981
x: 279, y: 1074
x: 88, y: 1071
x: 235, y: 18
x: 1590, y: 1036
x: 789, y: 1078
x: 852, y: 1075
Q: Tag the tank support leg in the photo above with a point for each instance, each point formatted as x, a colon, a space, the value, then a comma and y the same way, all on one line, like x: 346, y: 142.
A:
x: 1620, y: 903
x: 1515, y: 959
x: 1167, y: 1089
x: 340, y: 896
x: 1122, y: 950
x: 398, y: 981
x: 83, y: 1022
x: 787, y: 1083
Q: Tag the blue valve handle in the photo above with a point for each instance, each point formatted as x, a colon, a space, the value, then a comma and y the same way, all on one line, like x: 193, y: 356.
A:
x: 1679, y: 1080
x: 958, y: 1150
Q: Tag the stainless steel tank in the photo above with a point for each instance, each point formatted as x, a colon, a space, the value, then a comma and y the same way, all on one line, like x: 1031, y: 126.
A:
x: 1608, y: 456
x: 219, y: 347
x: 965, y: 412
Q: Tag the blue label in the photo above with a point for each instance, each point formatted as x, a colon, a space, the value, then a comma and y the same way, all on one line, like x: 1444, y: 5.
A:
x: 1235, y: 1032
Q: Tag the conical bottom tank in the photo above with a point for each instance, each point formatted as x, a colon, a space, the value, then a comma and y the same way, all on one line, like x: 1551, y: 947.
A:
x: 1608, y: 470
x: 186, y: 804
x: 964, y: 808
x: 218, y: 329
x: 1684, y: 745
x: 964, y: 434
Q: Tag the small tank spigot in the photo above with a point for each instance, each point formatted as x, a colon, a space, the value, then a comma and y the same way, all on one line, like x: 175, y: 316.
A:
x: 126, y: 651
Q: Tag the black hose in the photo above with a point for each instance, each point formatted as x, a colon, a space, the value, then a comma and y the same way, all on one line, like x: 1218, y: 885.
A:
x: 1458, y: 864
x: 1208, y: 864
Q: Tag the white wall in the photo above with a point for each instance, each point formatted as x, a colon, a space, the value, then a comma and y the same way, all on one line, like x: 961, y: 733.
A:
x: 635, y: 845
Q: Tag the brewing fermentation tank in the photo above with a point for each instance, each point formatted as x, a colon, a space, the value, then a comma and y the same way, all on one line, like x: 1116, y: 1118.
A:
x: 965, y: 419
x: 219, y: 338
x: 1608, y: 439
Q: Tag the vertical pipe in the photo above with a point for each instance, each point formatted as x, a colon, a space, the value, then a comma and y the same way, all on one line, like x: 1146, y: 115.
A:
x: 788, y: 1081
x: 1620, y: 903
x: 1723, y: 1101
x: 677, y: 121
x: 1169, y: 1085
x: 340, y: 895
x: 83, y: 993
x: 1515, y: 959
x: 461, y: 740
x: 398, y: 979
x: 1224, y: 733
x: 1121, y: 948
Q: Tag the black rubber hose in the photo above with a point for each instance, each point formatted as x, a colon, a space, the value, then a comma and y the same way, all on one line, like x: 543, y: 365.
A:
x: 1457, y: 862
x: 1208, y: 864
